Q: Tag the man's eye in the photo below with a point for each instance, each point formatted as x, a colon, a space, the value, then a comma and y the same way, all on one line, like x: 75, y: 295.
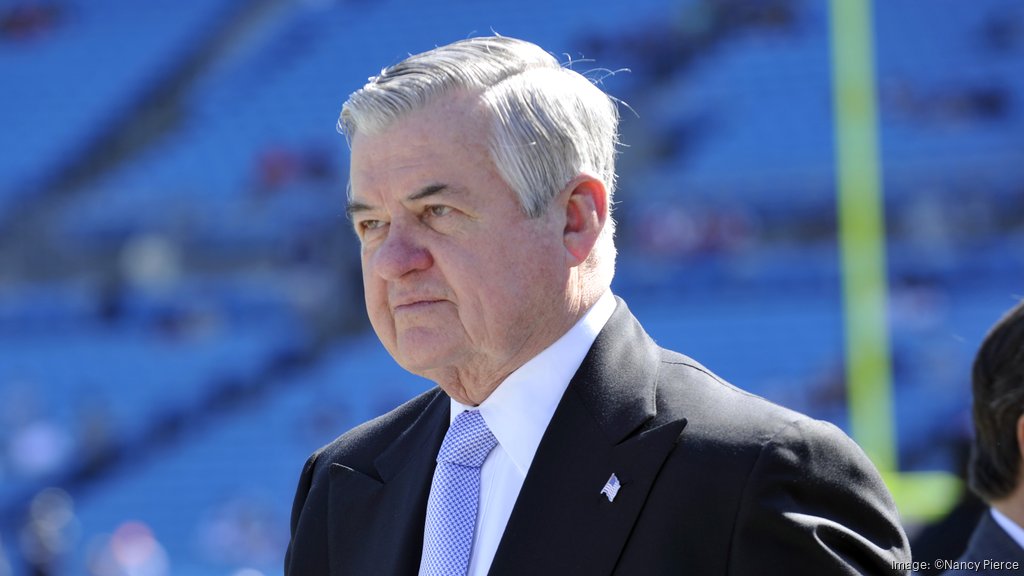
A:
x: 439, y: 210
x: 367, y: 225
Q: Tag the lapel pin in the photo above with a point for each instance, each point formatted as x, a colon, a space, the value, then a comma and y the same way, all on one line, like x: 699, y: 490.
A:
x: 611, y: 488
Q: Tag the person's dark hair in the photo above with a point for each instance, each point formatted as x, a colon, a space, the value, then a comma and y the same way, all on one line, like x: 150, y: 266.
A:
x: 998, y: 383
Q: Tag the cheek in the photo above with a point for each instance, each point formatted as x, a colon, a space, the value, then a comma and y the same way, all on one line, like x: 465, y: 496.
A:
x: 515, y: 279
x: 375, y: 292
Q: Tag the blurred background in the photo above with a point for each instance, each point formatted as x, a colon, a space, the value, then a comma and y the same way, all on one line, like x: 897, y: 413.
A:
x: 181, y: 318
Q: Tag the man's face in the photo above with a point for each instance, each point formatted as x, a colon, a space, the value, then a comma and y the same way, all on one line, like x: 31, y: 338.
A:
x: 459, y: 282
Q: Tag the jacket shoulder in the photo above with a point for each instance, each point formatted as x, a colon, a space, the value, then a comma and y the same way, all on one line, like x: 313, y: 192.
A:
x: 780, y: 476
x: 714, y: 406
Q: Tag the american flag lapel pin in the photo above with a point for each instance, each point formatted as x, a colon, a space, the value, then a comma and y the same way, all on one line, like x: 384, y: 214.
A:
x: 611, y: 488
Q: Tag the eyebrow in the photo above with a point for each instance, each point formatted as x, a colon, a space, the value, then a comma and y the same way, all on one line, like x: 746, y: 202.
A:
x: 425, y: 192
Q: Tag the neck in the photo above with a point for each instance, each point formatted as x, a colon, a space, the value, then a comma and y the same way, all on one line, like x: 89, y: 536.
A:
x: 471, y: 385
x: 1012, y: 506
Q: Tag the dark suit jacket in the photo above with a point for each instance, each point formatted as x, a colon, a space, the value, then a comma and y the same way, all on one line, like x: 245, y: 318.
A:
x: 713, y: 481
x: 989, y: 542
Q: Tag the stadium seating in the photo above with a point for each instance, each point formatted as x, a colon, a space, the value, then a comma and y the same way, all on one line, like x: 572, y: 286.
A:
x: 68, y: 85
x: 220, y: 383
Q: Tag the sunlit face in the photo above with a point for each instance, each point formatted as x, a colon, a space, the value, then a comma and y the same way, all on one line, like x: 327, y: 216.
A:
x: 458, y: 280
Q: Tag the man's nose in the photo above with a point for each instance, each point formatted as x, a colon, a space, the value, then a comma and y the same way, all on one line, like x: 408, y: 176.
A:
x: 400, y: 254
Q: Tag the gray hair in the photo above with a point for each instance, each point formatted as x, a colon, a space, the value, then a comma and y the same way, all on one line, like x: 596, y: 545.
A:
x: 550, y: 123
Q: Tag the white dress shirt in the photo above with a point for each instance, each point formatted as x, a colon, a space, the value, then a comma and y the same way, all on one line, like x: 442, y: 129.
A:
x: 1011, y: 527
x: 518, y: 412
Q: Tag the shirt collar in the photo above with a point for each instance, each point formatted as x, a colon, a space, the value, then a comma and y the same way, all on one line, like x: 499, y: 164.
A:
x: 1011, y: 527
x: 520, y: 408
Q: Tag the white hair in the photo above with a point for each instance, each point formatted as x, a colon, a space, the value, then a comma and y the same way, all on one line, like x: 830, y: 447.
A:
x: 550, y: 123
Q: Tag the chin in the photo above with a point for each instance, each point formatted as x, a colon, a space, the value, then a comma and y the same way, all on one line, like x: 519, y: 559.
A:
x: 422, y: 356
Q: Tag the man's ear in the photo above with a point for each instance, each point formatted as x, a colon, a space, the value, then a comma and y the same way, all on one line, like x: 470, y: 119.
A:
x: 585, y: 199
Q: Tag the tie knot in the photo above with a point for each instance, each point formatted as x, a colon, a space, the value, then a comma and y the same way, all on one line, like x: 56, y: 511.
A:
x: 468, y: 440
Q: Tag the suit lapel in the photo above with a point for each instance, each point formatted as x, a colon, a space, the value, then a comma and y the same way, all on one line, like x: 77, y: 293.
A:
x: 376, y: 517
x: 605, y: 423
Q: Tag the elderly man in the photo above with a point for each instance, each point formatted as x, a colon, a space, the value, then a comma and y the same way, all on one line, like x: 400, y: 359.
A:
x: 561, y: 439
x: 997, y: 545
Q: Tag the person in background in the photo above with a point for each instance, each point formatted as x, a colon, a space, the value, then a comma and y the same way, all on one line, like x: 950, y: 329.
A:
x: 994, y: 473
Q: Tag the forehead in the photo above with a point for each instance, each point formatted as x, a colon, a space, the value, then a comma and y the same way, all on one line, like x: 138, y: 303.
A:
x: 445, y: 139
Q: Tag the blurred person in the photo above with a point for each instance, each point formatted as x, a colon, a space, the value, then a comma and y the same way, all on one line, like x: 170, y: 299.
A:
x: 36, y: 444
x: 30, y: 20
x: 560, y: 439
x: 995, y: 470
x: 5, y: 564
x: 49, y: 532
x: 242, y: 530
x: 132, y: 550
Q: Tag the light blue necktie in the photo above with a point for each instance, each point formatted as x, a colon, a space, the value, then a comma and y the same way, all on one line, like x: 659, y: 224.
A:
x: 454, y: 496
